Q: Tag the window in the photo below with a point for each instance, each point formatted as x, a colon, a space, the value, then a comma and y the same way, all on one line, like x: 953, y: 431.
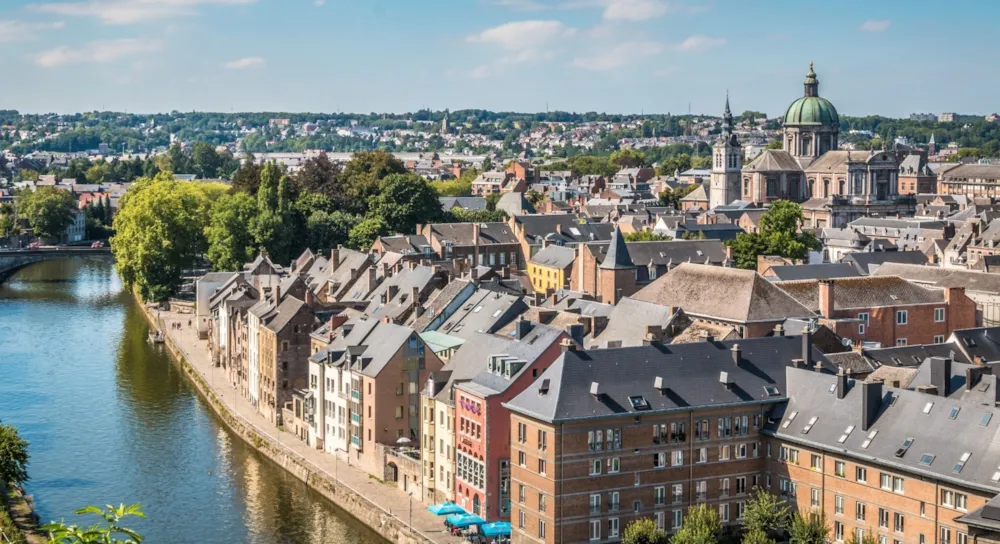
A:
x: 677, y: 458
x: 678, y: 519
x: 522, y: 459
x: 520, y: 519
x: 595, y: 529
x: 541, y: 466
x: 961, y: 538
x: 541, y: 502
x: 614, y: 465
x: 938, y: 339
x: 859, y: 511
x: 901, y: 341
x: 901, y: 317
x: 814, y: 496
x: 541, y: 528
x: 939, y: 315
x: 945, y: 535
x: 659, y: 495
x: 701, y: 490
x: 816, y: 462
x: 595, y: 503
x: 659, y: 460
x: 595, y: 467
x: 543, y: 443
x: 613, y: 504
x: 838, y: 505
x: 724, y: 452
x: 793, y: 456
x: 724, y: 487
x: 897, y: 522
x: 885, y: 481
x: 883, y: 518
x: 724, y: 512
x: 897, y: 484
x: 677, y: 493
x: 702, y: 455
x: 522, y: 433
x: 838, y: 531
x: 952, y: 499
x: 613, y: 528
x: 520, y: 493
x: 861, y: 474
x: 660, y: 520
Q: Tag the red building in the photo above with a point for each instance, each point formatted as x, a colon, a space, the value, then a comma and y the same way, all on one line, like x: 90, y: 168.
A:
x: 482, y: 422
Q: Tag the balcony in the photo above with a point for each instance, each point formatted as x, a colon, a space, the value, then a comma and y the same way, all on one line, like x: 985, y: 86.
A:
x: 614, y: 506
x: 355, y: 417
x: 356, y: 395
x: 595, y: 509
x: 701, y: 497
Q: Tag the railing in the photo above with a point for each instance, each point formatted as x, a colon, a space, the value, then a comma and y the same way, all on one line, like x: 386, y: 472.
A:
x: 614, y: 506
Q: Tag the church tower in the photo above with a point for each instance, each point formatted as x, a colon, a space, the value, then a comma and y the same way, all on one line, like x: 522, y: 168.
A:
x: 727, y: 161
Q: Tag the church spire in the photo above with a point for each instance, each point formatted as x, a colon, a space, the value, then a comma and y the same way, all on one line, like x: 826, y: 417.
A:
x: 811, y: 83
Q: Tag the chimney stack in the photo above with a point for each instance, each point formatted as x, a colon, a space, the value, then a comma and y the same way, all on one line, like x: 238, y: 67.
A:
x: 335, y: 257
x: 940, y: 368
x: 737, y: 354
x: 972, y: 375
x: 277, y: 294
x: 806, y: 348
x: 871, y: 403
x: 523, y: 328
x: 567, y: 345
x: 475, y: 243
x: 826, y: 295
x: 372, y: 278
x: 841, y: 383
x: 779, y: 330
x: 415, y: 295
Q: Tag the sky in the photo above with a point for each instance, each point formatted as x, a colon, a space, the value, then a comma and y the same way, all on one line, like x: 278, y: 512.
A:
x: 891, y: 57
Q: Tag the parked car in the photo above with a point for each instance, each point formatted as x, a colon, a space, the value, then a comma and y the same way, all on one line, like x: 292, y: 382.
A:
x: 97, y: 244
x: 34, y: 245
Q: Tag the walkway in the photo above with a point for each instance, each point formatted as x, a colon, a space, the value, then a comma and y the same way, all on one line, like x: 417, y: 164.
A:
x: 390, y: 498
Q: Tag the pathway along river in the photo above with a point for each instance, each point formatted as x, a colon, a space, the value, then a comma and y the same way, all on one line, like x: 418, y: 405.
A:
x: 110, y: 419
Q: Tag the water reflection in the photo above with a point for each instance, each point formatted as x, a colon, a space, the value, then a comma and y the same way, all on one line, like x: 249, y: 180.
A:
x: 110, y: 419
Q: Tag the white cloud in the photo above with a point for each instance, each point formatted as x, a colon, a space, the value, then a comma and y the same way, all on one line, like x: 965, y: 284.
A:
x: 244, y: 63
x: 319, y: 3
x: 875, y: 25
x: 521, y: 35
x: 103, y: 51
x: 619, y: 55
x: 500, y: 65
x: 635, y: 10
x: 700, y: 43
x: 19, y: 31
x: 120, y: 12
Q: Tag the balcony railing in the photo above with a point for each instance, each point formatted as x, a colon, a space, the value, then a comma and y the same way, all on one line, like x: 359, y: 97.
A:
x: 614, y: 506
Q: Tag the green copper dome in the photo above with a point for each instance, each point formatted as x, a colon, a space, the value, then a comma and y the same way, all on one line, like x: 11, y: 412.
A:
x: 811, y: 109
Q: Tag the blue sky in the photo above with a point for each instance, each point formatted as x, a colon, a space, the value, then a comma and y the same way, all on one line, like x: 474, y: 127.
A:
x: 891, y: 57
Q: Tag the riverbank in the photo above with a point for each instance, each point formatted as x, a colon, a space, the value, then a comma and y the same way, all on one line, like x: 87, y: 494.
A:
x: 382, y: 507
x: 18, y: 522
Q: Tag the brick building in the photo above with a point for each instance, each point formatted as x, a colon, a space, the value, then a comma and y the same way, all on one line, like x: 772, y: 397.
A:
x: 887, y: 310
x: 605, y: 437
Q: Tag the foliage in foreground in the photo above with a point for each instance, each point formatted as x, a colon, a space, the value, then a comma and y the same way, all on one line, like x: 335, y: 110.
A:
x: 109, y: 532
x: 643, y: 531
x: 13, y: 456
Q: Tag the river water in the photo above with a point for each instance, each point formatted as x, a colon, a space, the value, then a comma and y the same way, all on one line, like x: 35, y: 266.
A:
x: 111, y: 420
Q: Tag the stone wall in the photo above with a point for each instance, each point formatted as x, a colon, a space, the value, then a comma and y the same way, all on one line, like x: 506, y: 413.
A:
x: 360, y: 507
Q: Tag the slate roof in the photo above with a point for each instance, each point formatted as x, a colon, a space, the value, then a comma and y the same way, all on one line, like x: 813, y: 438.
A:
x: 570, y: 230
x: 554, y: 256
x: 628, y: 320
x: 369, y: 342
x: 666, y: 253
x: 464, y: 202
x: 617, y: 257
x: 460, y: 234
x: 406, y: 279
x: 943, y: 277
x: 900, y: 416
x: 972, y: 172
x: 515, y: 204
x: 837, y: 160
x: 863, y: 292
x: 439, y: 301
x: 814, y: 271
x: 483, y: 312
x: 852, y: 362
x: 867, y: 262
x: 697, y: 195
x: 283, y: 314
x: 774, y: 160
x: 405, y: 244
x: 527, y: 349
x: 983, y: 342
x: 724, y: 293
x: 690, y: 375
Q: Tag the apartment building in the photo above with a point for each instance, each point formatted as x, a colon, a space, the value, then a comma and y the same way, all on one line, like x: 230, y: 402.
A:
x: 604, y: 437
x: 910, y: 466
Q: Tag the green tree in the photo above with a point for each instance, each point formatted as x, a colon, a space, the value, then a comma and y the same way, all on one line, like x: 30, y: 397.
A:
x: 811, y: 528
x: 272, y: 227
x: 13, y: 457
x: 364, y: 173
x: 458, y: 187
x: 403, y: 201
x: 247, y: 177
x: 627, y: 158
x: 779, y: 235
x: 48, y: 210
x: 159, y: 231
x: 8, y: 220
x: 230, y: 242
x: 459, y: 215
x: 701, y: 526
x: 491, y: 201
x: 644, y: 531
x: 363, y: 234
x: 674, y: 164
x: 205, y: 160
x: 757, y: 536
x: 108, y: 532
x: 704, y: 161
x: 320, y: 175
x: 534, y: 197
x: 327, y: 230
x: 775, y: 144
x: 646, y: 236
x: 765, y: 512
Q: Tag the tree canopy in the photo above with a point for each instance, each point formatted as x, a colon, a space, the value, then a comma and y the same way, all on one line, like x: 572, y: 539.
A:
x: 778, y: 235
x: 701, y: 526
x: 13, y: 457
x: 49, y: 211
x: 644, y: 531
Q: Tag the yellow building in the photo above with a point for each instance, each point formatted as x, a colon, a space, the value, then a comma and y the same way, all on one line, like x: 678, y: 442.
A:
x: 550, y: 268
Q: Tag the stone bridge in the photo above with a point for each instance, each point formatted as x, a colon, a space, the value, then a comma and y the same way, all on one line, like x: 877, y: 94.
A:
x: 12, y: 260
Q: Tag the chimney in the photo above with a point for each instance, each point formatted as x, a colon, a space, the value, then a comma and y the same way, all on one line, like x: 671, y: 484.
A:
x: 871, y: 402
x: 415, y: 295
x: 951, y: 293
x: 372, y: 278
x: 567, y: 345
x: 310, y: 298
x: 576, y: 332
x: 277, y: 294
x: 475, y: 243
x: 474, y: 272
x: 806, y: 348
x: 737, y: 354
x: 558, y: 228
x: 841, y: 383
x: 708, y: 337
x: 826, y: 298
x: 972, y: 375
x: 539, y: 299
x: 941, y: 375
x: 393, y: 291
x: 545, y: 243
x: 654, y: 333
x: 386, y: 271
x: 552, y: 296
x: 523, y: 328
x: 335, y: 257
x: 595, y: 389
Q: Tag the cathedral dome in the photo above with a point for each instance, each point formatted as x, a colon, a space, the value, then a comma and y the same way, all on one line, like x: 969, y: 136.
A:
x: 811, y: 109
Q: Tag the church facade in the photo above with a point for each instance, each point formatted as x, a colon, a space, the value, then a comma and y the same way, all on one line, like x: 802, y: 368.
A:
x: 834, y: 186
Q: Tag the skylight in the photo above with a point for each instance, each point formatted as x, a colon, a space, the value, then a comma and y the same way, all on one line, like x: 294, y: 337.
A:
x: 954, y: 413
x: 927, y: 407
x: 809, y: 426
x: 771, y: 390
x: 639, y: 403
x: 961, y: 462
x: 926, y: 459
x: 833, y: 387
x: 986, y: 419
x: 575, y: 231
x: 789, y: 420
x: 847, y: 432
x: 868, y: 441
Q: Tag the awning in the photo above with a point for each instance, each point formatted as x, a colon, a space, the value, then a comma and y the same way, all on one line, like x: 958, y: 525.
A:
x: 464, y: 520
x: 497, y: 528
x: 445, y: 508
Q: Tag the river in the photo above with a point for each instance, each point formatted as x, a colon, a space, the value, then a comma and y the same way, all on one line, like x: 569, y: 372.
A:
x: 111, y: 420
